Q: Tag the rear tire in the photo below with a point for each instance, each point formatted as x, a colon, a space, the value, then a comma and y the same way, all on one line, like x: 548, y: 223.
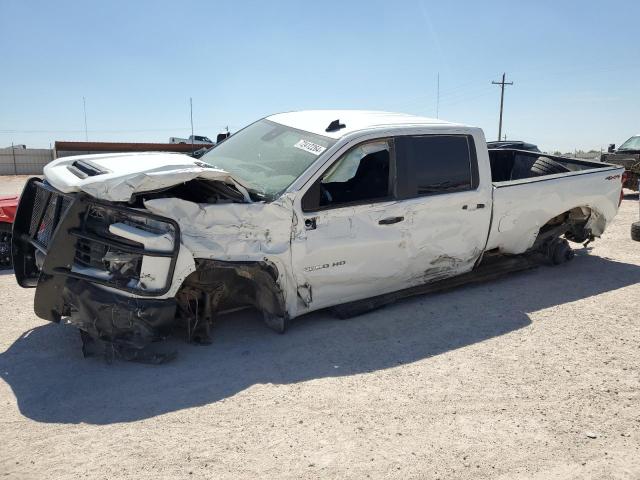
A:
x: 561, y: 252
x: 635, y: 231
x: 546, y: 166
x: 578, y: 235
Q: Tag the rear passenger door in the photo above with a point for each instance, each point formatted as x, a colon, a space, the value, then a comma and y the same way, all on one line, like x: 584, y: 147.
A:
x: 447, y: 213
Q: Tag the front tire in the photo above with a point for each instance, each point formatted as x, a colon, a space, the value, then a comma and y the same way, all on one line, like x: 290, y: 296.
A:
x: 635, y: 231
x: 276, y: 323
x: 5, y: 246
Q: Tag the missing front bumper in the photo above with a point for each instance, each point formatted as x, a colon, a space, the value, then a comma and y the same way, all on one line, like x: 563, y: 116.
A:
x: 126, y: 322
x: 67, y: 251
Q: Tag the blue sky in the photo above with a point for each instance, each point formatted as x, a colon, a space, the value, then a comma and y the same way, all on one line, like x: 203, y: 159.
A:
x: 575, y: 64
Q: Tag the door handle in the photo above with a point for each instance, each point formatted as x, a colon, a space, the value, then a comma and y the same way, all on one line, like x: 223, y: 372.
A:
x: 390, y: 220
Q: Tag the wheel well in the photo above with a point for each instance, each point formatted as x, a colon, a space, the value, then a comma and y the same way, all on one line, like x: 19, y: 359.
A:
x: 571, y: 223
x: 218, y: 285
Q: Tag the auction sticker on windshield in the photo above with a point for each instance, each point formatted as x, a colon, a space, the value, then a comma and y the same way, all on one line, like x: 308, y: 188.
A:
x: 310, y: 147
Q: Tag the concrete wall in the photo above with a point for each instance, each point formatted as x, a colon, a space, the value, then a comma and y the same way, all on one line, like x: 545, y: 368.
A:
x: 28, y: 161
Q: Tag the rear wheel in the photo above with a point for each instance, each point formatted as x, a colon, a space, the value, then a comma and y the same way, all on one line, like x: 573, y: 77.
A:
x: 5, y: 246
x: 635, y: 231
x: 560, y: 252
x: 546, y: 166
x: 578, y: 235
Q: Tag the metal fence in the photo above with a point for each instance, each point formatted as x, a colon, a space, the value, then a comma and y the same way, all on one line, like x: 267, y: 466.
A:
x: 30, y: 161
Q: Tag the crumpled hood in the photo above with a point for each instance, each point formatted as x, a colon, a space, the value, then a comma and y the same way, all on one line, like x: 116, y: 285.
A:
x: 117, y: 176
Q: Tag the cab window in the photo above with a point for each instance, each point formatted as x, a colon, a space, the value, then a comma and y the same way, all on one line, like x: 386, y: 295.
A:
x: 361, y: 175
x: 435, y: 164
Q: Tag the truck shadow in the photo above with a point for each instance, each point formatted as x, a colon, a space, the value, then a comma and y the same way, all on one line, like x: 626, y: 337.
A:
x: 53, y: 383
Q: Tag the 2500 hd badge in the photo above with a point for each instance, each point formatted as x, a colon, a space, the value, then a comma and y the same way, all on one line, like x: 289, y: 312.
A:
x: 324, y: 265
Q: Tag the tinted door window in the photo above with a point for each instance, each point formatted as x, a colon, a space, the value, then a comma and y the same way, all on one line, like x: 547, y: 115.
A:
x: 360, y: 175
x: 435, y: 164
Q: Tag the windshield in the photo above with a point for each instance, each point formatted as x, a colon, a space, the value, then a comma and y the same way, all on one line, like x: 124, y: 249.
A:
x: 632, y: 144
x: 267, y: 156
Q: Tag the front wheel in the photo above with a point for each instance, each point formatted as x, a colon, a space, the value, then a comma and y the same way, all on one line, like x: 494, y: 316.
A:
x: 276, y: 323
x: 635, y: 231
x: 5, y: 246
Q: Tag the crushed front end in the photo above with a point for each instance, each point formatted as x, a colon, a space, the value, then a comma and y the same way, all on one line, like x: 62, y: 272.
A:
x: 102, y: 266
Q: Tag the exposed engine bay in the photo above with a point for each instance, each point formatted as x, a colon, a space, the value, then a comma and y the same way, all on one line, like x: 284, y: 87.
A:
x: 109, y: 270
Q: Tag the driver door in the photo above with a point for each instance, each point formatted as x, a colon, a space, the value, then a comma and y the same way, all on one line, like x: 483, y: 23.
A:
x: 349, y: 245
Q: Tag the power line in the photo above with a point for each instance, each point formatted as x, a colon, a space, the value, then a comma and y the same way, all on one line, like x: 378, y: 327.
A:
x: 502, y: 84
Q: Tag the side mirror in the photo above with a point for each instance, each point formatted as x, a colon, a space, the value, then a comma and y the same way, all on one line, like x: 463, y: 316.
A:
x: 311, y: 200
x: 612, y: 148
x: 222, y: 137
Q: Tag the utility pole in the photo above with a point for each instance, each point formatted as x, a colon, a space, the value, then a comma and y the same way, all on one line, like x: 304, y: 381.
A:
x: 438, y: 98
x: 191, y: 108
x: 15, y: 166
x: 502, y: 84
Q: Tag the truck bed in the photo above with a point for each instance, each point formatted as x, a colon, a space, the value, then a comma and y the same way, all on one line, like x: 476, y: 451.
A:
x: 580, y: 186
x: 508, y: 165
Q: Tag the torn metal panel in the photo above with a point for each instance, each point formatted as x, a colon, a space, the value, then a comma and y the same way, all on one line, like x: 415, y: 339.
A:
x: 597, y: 223
x: 105, y: 315
x: 230, y: 231
x: 237, y: 284
x: 234, y: 232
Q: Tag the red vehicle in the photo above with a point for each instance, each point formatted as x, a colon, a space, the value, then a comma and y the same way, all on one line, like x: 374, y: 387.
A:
x: 8, y: 205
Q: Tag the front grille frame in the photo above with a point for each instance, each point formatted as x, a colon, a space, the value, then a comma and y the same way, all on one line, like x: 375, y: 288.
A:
x: 49, y: 206
x: 43, y: 224
x: 30, y: 243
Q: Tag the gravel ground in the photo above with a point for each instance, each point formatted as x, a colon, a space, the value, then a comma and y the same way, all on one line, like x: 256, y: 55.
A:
x: 533, y: 376
x: 11, y: 184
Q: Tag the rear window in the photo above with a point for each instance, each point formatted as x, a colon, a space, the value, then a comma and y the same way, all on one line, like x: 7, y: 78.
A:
x: 435, y: 164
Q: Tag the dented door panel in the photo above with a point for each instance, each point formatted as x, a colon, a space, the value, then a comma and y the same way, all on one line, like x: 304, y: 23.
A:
x: 446, y: 234
x: 349, y: 255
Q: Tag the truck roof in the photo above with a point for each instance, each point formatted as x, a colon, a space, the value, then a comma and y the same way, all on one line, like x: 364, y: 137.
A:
x: 317, y: 121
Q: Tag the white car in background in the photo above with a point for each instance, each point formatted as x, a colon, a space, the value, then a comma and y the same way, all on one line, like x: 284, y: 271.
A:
x: 193, y: 139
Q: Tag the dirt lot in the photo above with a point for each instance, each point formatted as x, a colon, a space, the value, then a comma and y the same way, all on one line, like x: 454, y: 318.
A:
x: 533, y: 376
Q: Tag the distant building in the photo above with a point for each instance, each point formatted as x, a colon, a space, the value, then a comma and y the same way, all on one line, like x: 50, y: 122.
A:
x: 65, y: 149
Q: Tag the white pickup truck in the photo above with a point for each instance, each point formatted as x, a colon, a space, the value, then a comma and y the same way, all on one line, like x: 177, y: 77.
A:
x: 296, y: 212
x: 193, y: 139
